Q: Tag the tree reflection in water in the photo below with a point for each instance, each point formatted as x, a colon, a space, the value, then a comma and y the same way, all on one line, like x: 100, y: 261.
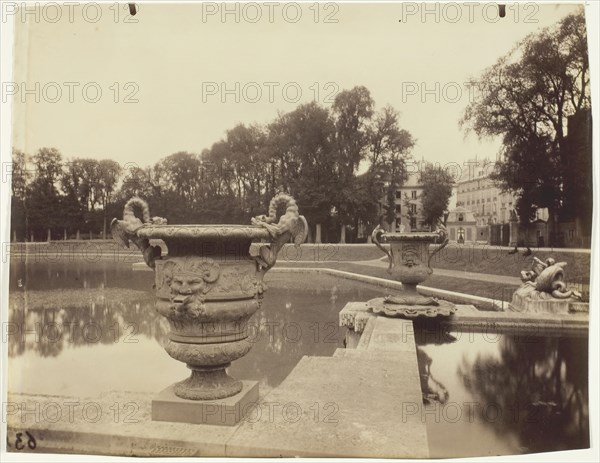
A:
x: 539, y: 385
x: 46, y: 322
x: 95, y: 302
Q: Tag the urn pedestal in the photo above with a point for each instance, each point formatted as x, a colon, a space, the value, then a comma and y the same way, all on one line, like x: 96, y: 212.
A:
x: 410, y: 264
x: 208, y: 287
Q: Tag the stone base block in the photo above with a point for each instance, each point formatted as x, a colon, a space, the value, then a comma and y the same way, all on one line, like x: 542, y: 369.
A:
x: 529, y: 299
x: 222, y: 412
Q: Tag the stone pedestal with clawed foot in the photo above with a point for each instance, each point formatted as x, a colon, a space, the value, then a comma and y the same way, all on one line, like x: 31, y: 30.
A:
x: 208, y: 287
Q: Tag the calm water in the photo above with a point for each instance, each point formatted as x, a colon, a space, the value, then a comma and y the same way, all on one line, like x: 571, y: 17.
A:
x: 496, y: 394
x: 85, y: 328
x: 92, y: 328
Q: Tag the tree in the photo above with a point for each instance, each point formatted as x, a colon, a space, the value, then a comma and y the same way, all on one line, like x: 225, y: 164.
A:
x: 531, y: 93
x: 42, y: 201
x: 300, y: 147
x: 368, y: 190
x: 245, y: 154
x: 390, y: 147
x: 20, y: 178
x: 138, y: 182
x: 109, y: 173
x: 538, y: 385
x: 437, y: 190
x: 352, y: 112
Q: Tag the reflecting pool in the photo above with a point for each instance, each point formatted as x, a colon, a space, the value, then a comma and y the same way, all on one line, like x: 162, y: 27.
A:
x: 81, y: 329
x: 497, y: 394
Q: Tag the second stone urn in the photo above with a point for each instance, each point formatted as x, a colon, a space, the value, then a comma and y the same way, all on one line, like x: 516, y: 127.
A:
x: 209, y: 285
x: 410, y: 264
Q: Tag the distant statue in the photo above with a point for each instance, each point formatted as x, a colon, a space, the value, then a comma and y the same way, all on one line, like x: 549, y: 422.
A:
x: 548, y: 277
x: 544, y: 290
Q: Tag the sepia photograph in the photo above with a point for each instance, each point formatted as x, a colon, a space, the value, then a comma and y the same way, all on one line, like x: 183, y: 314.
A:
x: 348, y: 230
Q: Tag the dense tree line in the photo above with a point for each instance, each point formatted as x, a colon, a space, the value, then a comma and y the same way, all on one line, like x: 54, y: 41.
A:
x: 313, y: 152
x: 528, y: 98
x: 62, y: 197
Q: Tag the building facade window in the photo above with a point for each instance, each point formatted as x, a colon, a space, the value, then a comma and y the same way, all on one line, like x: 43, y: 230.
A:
x: 413, y: 194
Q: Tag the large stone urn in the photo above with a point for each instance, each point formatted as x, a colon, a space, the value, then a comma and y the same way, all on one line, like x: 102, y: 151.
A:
x: 208, y: 286
x: 410, y: 263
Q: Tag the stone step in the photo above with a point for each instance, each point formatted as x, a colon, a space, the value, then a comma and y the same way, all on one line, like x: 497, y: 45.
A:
x: 356, y: 404
x: 392, y: 334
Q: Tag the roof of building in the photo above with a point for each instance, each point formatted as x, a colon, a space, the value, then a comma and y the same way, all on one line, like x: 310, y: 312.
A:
x: 475, y: 169
x: 413, y: 181
x: 454, y: 214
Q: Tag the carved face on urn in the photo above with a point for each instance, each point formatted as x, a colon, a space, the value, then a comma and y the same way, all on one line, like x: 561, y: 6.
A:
x: 186, y: 284
x: 409, y: 256
x: 190, y: 279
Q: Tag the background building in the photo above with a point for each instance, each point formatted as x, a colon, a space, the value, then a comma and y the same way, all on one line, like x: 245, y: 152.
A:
x: 476, y: 192
x: 461, y: 225
x: 408, y: 210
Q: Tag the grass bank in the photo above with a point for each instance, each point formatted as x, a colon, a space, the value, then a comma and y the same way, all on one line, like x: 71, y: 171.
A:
x: 492, y: 260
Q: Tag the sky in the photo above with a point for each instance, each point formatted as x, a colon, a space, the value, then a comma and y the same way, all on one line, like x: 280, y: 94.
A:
x: 169, y: 82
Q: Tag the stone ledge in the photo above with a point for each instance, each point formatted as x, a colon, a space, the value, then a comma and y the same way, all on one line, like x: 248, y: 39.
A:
x: 355, y: 316
x: 516, y: 322
x: 462, y: 298
x: 126, y: 432
x: 342, y: 414
x: 392, y: 335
